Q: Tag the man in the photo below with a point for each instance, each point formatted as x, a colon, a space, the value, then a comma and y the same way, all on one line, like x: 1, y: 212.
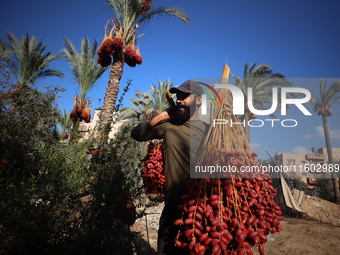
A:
x: 183, y: 132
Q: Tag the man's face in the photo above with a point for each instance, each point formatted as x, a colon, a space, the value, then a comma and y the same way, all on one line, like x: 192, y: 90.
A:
x: 184, y: 103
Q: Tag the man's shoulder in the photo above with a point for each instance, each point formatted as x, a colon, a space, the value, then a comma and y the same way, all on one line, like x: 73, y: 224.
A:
x: 199, y: 123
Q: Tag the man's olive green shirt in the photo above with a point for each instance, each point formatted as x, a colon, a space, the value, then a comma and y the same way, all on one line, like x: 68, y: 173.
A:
x: 181, y: 145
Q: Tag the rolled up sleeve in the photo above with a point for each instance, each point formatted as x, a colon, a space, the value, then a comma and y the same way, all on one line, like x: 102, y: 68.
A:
x: 144, y: 131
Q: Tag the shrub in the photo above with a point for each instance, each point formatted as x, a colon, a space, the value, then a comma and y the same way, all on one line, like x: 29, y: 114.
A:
x: 297, y: 183
x: 55, y: 198
x: 325, y: 189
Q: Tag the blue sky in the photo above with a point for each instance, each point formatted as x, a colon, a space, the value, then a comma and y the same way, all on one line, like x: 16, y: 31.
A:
x: 300, y: 39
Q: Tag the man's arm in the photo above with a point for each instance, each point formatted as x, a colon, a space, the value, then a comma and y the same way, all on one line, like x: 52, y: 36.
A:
x: 163, y: 116
x: 149, y: 129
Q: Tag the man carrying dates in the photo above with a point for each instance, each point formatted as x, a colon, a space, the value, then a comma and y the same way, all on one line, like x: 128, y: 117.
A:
x: 183, y: 132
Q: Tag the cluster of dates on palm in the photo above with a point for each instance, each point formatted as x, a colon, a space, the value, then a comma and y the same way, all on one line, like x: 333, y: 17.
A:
x: 81, y: 110
x: 108, y: 47
x: 228, y: 215
x: 145, y: 7
x: 152, y: 173
x: 115, y: 43
x: 325, y: 111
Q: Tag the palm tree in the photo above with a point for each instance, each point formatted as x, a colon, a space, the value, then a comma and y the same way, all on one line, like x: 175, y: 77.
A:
x: 86, y: 71
x: 129, y: 16
x: 159, y: 94
x: 4, y: 53
x: 145, y: 104
x: 142, y: 109
x: 65, y: 123
x: 322, y: 105
x: 261, y: 79
x: 27, y: 59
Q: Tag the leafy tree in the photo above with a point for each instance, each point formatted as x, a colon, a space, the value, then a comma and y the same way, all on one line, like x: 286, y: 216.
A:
x: 143, y: 107
x: 325, y: 189
x: 65, y: 123
x: 159, y: 94
x: 54, y: 198
x: 145, y: 104
x: 28, y: 60
x: 261, y: 79
x: 4, y: 53
x: 129, y: 15
x: 297, y: 183
x: 86, y: 71
x: 322, y: 105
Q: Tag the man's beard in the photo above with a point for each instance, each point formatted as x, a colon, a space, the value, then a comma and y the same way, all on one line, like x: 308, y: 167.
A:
x: 181, y: 117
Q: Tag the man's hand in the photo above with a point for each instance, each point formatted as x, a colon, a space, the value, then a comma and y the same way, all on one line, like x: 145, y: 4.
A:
x: 163, y: 116
x: 227, y: 109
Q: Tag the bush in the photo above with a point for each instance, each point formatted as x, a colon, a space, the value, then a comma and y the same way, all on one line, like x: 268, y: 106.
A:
x: 56, y: 198
x: 325, y: 189
x: 297, y: 183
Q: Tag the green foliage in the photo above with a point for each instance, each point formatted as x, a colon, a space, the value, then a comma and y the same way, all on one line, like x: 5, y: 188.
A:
x: 65, y: 123
x: 159, y: 94
x: 130, y: 12
x: 297, y: 183
x: 28, y: 59
x: 56, y: 198
x: 86, y: 71
x: 143, y: 106
x: 146, y: 104
x: 327, y: 97
x: 262, y: 80
x: 325, y: 189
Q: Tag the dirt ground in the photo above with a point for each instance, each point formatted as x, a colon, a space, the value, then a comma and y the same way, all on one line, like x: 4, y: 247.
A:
x: 318, y: 234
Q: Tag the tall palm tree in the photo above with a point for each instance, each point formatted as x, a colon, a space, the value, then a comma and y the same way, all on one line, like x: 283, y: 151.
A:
x: 261, y: 79
x: 86, y: 71
x: 143, y: 107
x: 129, y: 16
x: 322, y: 105
x: 27, y: 59
x: 159, y: 94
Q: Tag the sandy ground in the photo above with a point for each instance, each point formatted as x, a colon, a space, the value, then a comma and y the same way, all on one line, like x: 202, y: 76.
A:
x: 319, y: 234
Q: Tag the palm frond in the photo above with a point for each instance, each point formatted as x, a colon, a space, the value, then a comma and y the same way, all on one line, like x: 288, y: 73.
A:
x: 333, y: 93
x: 86, y: 71
x: 161, y: 11
x: 262, y: 81
x: 29, y: 60
x: 326, y: 97
x: 159, y: 94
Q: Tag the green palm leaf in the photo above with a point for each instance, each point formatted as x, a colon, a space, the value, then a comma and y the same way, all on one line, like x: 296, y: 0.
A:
x: 262, y: 80
x: 28, y: 59
x: 86, y: 71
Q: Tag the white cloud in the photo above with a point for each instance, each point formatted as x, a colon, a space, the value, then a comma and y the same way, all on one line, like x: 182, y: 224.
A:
x: 300, y: 150
x: 319, y: 131
x: 333, y: 133
x: 255, y: 145
x: 308, y: 136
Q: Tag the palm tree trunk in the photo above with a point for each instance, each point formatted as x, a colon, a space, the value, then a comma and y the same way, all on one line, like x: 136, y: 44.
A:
x: 335, y: 180
x: 112, y: 90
